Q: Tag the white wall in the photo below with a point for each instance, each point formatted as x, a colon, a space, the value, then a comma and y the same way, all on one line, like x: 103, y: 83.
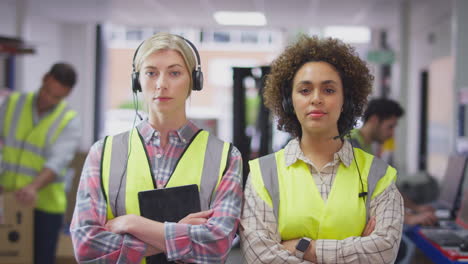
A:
x: 78, y: 47
x: 8, y: 18
x: 429, y: 39
x: 44, y: 35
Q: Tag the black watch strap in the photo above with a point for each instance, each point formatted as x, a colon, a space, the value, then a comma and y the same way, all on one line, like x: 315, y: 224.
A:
x: 301, y: 247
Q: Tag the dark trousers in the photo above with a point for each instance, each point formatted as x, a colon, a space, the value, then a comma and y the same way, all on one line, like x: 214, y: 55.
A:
x: 46, y: 233
x: 402, y: 251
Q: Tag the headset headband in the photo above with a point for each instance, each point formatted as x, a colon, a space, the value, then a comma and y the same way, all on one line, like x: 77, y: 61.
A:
x: 191, y: 45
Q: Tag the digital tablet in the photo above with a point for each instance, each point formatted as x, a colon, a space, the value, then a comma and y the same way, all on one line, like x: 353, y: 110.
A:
x: 169, y: 204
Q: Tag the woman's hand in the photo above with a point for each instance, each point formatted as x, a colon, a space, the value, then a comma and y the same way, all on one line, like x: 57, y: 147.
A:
x: 27, y: 195
x: 369, y: 227
x: 199, y: 218
x: 121, y: 224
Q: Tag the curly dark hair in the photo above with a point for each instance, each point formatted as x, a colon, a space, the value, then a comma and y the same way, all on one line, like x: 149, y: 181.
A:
x: 355, y: 76
x: 383, y: 108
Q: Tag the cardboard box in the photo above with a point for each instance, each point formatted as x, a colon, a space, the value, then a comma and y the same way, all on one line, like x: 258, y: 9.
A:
x: 65, y: 253
x: 16, y: 231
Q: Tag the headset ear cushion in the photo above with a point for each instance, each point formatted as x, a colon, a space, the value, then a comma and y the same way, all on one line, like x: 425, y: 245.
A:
x: 347, y: 119
x: 136, y: 87
x: 197, y: 78
x: 287, y: 106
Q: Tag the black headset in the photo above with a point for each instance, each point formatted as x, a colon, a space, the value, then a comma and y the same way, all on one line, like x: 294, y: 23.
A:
x: 197, y: 74
x: 286, y: 103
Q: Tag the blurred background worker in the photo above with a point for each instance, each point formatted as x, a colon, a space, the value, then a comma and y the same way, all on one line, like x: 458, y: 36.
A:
x: 40, y: 134
x: 380, y: 120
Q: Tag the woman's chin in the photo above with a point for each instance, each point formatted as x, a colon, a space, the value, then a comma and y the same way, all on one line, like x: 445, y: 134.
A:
x: 320, y: 130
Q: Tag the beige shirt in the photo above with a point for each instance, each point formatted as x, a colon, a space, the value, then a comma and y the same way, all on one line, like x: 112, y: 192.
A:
x: 261, y: 241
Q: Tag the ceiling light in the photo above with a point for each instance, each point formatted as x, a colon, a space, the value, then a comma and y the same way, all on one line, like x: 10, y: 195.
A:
x: 240, y: 18
x: 349, y: 34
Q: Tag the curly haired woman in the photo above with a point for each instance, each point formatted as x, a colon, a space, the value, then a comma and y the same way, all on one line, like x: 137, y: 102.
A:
x: 319, y: 199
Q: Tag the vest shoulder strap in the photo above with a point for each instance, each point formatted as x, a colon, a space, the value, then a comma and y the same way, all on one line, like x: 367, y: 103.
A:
x: 14, y: 103
x: 214, y: 167
x: 63, y: 119
x: 116, y: 165
x: 377, y: 171
x: 269, y: 173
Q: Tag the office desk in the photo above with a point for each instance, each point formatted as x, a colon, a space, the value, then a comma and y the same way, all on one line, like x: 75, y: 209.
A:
x: 431, y: 251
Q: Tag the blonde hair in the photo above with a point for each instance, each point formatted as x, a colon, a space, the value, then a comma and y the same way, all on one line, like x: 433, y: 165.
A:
x: 165, y: 41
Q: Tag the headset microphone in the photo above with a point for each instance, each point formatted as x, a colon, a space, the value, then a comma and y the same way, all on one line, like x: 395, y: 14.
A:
x: 362, y: 193
x: 139, y: 116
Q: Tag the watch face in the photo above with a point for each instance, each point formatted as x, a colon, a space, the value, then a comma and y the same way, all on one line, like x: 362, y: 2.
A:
x: 303, y: 245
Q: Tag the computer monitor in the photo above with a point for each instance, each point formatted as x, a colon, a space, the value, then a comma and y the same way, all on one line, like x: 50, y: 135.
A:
x: 452, y: 183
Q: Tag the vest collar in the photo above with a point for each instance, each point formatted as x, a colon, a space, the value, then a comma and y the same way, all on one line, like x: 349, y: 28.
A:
x: 293, y: 153
x: 36, y: 117
x: 184, y: 134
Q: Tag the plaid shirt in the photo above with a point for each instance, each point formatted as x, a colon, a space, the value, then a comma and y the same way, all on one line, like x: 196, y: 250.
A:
x: 206, y: 243
x: 259, y: 228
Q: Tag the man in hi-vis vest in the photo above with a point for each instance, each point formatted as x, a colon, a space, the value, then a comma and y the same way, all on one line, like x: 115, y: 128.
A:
x: 380, y: 120
x: 40, y: 134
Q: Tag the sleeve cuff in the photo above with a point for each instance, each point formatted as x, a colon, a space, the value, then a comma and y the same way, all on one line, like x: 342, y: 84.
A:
x: 319, y: 249
x: 133, y: 249
x: 53, y: 168
x: 178, y: 242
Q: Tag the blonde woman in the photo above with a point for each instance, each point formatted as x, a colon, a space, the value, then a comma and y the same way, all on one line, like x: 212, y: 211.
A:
x: 166, y: 150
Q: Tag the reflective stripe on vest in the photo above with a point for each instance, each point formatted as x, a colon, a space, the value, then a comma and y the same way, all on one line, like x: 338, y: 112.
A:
x: 126, y: 164
x: 302, y: 212
x: 24, y: 149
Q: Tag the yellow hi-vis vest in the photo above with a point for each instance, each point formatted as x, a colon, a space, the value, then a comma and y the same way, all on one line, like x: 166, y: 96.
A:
x: 298, y: 205
x: 24, y: 148
x: 125, y: 164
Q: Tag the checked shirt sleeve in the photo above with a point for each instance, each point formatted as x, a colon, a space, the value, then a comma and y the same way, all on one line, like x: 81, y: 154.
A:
x: 211, y: 242
x: 92, y: 243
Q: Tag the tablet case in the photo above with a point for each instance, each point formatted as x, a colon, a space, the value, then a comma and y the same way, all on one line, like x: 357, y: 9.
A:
x: 168, y: 205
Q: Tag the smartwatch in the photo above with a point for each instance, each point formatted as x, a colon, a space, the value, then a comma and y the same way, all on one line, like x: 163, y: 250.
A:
x: 301, y: 247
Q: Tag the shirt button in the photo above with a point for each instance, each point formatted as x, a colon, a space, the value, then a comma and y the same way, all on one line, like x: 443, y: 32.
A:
x: 158, y: 155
